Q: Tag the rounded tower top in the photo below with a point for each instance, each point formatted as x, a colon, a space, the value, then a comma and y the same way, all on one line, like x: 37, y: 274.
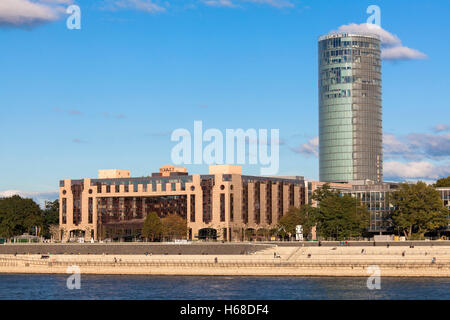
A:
x: 348, y: 34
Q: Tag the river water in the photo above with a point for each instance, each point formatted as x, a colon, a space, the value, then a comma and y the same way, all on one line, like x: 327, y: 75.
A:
x: 139, y: 287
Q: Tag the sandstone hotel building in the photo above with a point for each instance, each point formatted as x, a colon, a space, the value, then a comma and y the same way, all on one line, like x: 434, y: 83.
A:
x: 220, y: 205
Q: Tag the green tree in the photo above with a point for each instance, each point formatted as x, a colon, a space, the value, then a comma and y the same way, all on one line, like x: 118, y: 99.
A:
x: 442, y: 183
x: 153, y: 227
x: 418, y: 208
x: 323, y: 192
x: 50, y: 217
x: 174, y: 227
x: 303, y: 216
x: 18, y: 215
x: 338, y: 216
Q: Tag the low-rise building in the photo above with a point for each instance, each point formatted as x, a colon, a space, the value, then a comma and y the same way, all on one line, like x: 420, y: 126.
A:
x: 376, y: 197
x: 445, y: 196
x: 223, y: 204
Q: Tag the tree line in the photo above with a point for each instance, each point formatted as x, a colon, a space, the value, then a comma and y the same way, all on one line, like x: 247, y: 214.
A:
x: 20, y: 215
x: 417, y: 209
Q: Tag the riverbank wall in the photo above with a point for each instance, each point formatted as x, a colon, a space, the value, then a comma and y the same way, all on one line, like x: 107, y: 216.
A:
x: 266, y: 260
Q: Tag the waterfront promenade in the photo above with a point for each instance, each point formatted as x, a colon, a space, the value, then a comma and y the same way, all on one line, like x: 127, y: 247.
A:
x: 431, y: 259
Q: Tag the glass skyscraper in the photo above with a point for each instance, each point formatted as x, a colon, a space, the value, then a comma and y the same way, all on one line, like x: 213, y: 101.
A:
x: 350, y: 108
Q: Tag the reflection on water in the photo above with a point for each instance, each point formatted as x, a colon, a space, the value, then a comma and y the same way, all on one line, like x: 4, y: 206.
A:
x: 196, y: 287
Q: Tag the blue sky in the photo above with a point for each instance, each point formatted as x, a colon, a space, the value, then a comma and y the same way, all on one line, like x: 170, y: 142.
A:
x: 110, y: 94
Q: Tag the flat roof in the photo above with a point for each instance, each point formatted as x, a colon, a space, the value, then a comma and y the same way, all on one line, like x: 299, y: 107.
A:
x: 172, y: 179
x: 349, y: 34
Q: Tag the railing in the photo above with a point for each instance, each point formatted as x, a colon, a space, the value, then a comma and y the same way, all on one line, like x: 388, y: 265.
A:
x: 229, y: 263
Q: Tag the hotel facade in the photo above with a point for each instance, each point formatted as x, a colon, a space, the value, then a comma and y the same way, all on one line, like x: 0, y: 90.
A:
x: 221, y: 205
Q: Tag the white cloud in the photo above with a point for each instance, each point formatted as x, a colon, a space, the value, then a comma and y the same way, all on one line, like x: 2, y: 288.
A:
x: 149, y: 6
x: 309, y: 148
x: 27, y: 13
x: 417, y: 146
x: 415, y: 170
x: 441, y: 127
x: 236, y: 3
x: 401, y: 53
x: 219, y: 3
x: 392, y: 45
x: 393, y: 147
x: 386, y: 37
x: 273, y: 3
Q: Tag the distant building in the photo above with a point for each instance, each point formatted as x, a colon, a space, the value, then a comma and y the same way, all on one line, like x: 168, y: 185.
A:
x: 222, y: 205
x: 314, y: 185
x: 350, y: 108
x: 376, y: 197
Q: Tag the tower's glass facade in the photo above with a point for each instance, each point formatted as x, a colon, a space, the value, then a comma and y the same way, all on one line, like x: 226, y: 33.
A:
x: 350, y: 113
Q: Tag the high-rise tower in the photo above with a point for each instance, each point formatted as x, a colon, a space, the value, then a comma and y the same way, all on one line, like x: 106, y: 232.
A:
x: 350, y: 112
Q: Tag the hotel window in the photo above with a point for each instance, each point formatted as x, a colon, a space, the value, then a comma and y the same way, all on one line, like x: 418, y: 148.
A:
x: 117, y: 188
x: 135, y: 187
x: 280, y: 200
x: 222, y: 207
x: 127, y: 188
x: 207, y: 185
x: 173, y: 187
x: 269, y: 202
x: 245, y: 203
x: 108, y: 189
x: 192, y: 207
x: 291, y: 195
x: 256, y: 203
x: 64, y: 210
x: 76, y: 191
x: 139, y: 208
x: 231, y: 207
x: 90, y: 210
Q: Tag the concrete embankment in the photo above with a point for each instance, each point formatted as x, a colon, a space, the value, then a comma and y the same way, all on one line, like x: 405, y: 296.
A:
x: 399, y: 261
x: 134, y: 248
